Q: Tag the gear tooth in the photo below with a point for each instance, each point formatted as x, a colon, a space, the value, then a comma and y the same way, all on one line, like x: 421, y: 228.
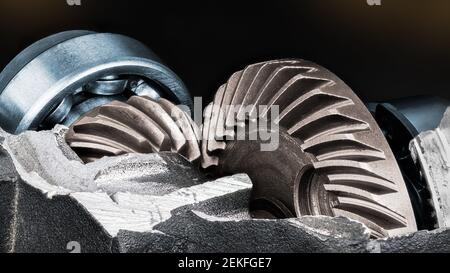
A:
x: 292, y: 106
x: 347, y: 167
x: 241, y: 90
x: 188, y: 128
x: 161, y: 117
x: 326, y: 122
x: 342, y: 146
x: 303, y: 94
x: 370, y: 183
x: 261, y: 77
x: 136, y: 123
x: 355, y: 200
x: 115, y: 132
x: 281, y: 76
x: 75, y: 139
x: 215, y: 142
x: 95, y: 149
x: 195, y: 128
x: 207, y: 160
x: 223, y: 131
x: 373, y: 211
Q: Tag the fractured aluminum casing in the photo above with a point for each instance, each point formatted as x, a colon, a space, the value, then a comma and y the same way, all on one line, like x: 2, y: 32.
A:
x: 431, y: 151
x: 97, y: 207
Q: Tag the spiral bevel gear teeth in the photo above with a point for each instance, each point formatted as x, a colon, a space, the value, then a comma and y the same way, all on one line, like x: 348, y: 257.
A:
x: 342, y: 165
x: 207, y: 159
x: 332, y: 158
x: 141, y: 125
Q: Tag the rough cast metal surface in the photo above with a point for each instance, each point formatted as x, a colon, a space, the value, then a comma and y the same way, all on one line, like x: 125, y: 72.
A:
x: 141, y: 125
x: 332, y: 158
x: 49, y: 199
x: 431, y: 152
x: 67, y: 74
x: 47, y: 212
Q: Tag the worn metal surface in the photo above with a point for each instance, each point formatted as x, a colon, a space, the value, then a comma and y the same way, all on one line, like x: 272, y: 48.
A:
x: 46, y: 76
x: 58, y: 199
x: 431, y: 152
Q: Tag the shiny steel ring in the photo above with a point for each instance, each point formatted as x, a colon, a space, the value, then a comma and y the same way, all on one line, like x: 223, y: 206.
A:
x: 38, y: 80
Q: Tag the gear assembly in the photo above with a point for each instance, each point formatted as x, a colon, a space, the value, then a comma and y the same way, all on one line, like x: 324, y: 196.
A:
x: 382, y: 164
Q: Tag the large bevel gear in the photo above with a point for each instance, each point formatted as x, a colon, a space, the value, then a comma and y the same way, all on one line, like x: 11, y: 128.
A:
x: 63, y: 76
x: 430, y: 152
x: 332, y: 158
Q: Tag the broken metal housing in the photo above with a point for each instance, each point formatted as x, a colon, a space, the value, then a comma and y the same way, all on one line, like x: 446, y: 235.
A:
x: 431, y: 153
x: 154, y: 203
x: 63, y: 76
x: 404, y: 121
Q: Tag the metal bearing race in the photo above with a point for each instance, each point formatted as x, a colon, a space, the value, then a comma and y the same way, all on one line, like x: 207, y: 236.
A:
x: 63, y: 76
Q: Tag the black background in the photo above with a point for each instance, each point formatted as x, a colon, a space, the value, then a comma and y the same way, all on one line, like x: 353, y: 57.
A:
x: 401, y: 48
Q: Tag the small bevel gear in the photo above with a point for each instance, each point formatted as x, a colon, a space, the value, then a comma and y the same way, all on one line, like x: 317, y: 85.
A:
x: 140, y: 125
